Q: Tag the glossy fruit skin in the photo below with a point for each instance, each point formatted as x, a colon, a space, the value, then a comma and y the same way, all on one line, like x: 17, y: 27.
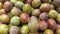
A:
x: 19, y: 4
x: 4, y: 18
x: 8, y: 6
x: 33, y: 24
x: 27, y: 8
x: 4, y: 29
x: 33, y: 32
x: 15, y: 21
x: 1, y: 5
x: 28, y: 1
x: 24, y: 18
x: 56, y: 3
x: 45, y: 7
x: 36, y: 3
x: 48, y: 31
x: 13, y: 1
x: 52, y: 13
x: 15, y: 11
x: 36, y: 12
x: 24, y: 29
x: 43, y: 25
x: 52, y: 24
x: 58, y: 9
x: 58, y: 18
x: 2, y: 11
x: 14, y: 30
x: 43, y: 16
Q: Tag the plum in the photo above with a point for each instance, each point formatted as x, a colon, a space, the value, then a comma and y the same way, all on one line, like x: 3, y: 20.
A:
x: 27, y: 9
x: 52, y: 24
x: 43, y: 25
x: 24, y: 18
x: 15, y: 11
x: 15, y: 21
x: 4, y: 18
x: 8, y: 6
x: 43, y: 16
x: 48, y: 31
x: 14, y: 30
x: 52, y: 13
x: 56, y: 3
x: 33, y: 24
x: 19, y: 4
x: 24, y: 29
x: 36, y: 12
x: 45, y: 7
x: 4, y: 29
x: 36, y: 3
x: 2, y: 11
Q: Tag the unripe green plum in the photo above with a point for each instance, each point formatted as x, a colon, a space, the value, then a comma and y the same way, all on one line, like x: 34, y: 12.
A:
x: 4, y: 29
x: 19, y: 4
x: 15, y: 21
x: 24, y: 29
x: 36, y: 3
x: 33, y: 24
x: 48, y: 31
x: 15, y: 11
x: 27, y: 8
x: 52, y: 13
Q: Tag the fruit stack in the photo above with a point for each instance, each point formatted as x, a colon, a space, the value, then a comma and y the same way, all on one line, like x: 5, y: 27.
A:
x: 29, y: 16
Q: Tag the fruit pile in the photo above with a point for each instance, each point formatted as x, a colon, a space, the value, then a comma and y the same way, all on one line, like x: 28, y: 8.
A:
x: 29, y: 16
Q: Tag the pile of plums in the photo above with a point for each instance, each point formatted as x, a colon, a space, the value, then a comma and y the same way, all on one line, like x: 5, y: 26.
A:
x: 29, y: 16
